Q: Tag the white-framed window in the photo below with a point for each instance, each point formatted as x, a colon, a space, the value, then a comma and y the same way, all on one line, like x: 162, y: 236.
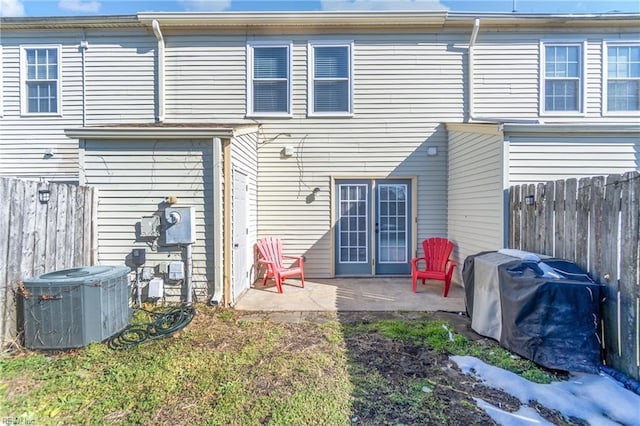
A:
x: 621, y: 78
x: 269, y: 79
x: 330, y: 84
x: 40, y: 90
x: 562, y: 78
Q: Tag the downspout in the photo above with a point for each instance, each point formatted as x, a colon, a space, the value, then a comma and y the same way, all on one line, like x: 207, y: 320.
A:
x: 472, y: 45
x: 84, y: 45
x: 218, y: 229
x: 156, y: 30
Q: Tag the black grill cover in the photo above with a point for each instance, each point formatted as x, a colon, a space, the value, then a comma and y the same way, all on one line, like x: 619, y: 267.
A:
x: 551, y: 321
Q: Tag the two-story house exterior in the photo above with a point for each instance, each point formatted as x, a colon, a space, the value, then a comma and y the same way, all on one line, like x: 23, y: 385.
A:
x: 350, y: 135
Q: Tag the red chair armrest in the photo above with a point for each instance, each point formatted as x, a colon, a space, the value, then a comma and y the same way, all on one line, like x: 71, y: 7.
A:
x: 417, y: 259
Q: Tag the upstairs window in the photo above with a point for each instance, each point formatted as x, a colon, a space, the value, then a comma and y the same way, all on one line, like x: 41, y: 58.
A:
x: 41, y: 90
x: 330, y: 79
x: 269, y: 91
x: 562, y: 71
x: 623, y: 78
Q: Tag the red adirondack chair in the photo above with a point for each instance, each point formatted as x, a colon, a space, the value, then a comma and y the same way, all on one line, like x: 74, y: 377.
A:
x: 271, y: 256
x: 438, y: 265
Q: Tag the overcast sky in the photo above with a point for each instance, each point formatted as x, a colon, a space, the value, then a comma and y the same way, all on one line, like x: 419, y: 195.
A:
x: 115, y: 7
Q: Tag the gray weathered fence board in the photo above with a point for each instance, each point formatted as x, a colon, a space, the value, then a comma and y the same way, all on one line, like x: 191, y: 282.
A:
x: 582, y: 223
x: 549, y: 200
x: 558, y: 220
x: 36, y: 237
x: 597, y: 225
x: 570, y: 225
x: 629, y: 362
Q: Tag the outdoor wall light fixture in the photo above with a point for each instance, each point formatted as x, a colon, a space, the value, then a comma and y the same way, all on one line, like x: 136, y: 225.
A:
x: 529, y: 200
x: 44, y: 195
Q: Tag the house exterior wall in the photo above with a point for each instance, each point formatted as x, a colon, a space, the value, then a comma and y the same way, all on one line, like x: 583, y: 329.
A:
x: 475, y: 189
x: 544, y: 157
x: 397, y: 114
x: 507, y: 73
x: 407, y: 81
x: 134, y: 178
x: 119, y: 88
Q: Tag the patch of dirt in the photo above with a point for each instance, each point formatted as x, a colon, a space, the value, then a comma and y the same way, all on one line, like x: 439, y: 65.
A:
x: 401, y: 383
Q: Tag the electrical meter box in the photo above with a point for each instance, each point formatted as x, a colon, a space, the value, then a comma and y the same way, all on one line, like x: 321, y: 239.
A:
x: 150, y: 227
x: 179, y: 225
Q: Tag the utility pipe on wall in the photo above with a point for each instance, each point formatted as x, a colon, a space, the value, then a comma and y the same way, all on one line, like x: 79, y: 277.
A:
x: 188, y: 273
x: 470, y: 60
x: 156, y: 30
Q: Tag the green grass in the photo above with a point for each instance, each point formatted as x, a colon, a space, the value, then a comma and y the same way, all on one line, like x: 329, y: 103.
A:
x: 212, y: 373
x: 224, y: 370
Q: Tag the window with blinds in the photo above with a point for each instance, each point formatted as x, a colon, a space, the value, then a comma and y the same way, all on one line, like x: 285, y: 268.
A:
x: 622, y: 78
x: 270, y: 79
x: 330, y: 78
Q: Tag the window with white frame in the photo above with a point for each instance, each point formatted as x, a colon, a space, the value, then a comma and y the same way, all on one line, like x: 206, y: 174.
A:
x: 269, y: 91
x: 41, y: 89
x: 562, y: 78
x: 623, y: 78
x: 330, y: 78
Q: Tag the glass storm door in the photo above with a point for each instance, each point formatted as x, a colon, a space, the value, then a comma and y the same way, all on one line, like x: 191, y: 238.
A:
x: 393, y: 219
x: 373, y: 227
x: 353, y: 240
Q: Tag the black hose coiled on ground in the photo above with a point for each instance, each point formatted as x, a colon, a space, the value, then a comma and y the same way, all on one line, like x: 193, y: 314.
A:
x: 166, y: 321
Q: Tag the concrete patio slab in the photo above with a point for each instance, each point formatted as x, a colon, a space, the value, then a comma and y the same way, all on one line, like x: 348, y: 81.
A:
x: 352, y: 294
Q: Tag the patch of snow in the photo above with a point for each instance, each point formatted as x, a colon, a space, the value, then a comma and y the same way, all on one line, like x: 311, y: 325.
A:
x: 525, y: 416
x: 598, y: 399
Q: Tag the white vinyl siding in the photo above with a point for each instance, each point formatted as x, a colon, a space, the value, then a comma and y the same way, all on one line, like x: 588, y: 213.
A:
x: 330, y: 78
x: 547, y: 157
x: 269, y: 79
x: 134, y: 178
x: 120, y: 78
x: 621, y: 78
x: 41, y: 80
x: 119, y: 87
x: 205, y: 78
x: 475, y: 186
x: 25, y: 138
x: 562, y: 78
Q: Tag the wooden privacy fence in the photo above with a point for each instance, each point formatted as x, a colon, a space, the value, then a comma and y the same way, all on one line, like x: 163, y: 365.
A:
x: 38, y: 237
x: 594, y: 222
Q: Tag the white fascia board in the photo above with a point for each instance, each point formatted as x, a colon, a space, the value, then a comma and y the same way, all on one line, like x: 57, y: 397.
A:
x: 581, y: 128
x: 155, y: 132
x: 262, y: 19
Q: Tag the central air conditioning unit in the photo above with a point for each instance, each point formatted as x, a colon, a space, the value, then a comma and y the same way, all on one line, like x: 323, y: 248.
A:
x: 74, y: 307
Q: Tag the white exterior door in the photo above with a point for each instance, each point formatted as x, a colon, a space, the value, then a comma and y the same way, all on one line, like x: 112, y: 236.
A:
x: 241, y: 257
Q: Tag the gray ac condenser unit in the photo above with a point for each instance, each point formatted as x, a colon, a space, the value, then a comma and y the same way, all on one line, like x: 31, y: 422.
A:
x: 74, y: 307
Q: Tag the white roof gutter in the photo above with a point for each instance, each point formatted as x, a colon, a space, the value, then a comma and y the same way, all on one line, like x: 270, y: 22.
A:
x: 161, y: 84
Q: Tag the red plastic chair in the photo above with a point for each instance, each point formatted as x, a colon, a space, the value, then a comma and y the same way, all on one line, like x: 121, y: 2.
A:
x: 438, y: 264
x: 271, y: 256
